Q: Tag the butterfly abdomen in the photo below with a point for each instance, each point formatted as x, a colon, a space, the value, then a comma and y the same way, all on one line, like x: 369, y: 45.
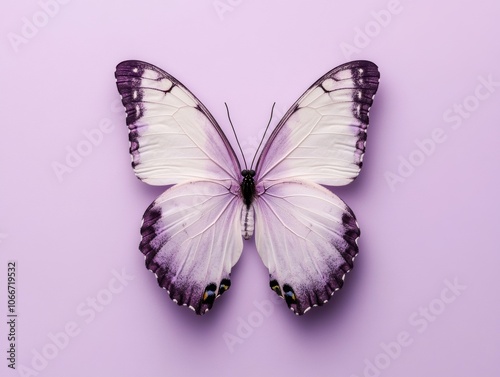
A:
x: 248, y: 194
x: 247, y: 222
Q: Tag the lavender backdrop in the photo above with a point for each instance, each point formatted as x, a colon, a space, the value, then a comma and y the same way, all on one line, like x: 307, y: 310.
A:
x: 422, y: 299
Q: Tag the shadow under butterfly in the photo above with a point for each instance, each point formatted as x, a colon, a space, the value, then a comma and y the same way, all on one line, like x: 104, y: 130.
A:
x: 192, y: 234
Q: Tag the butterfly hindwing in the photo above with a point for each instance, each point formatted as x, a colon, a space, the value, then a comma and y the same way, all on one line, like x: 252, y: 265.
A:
x: 322, y: 137
x: 173, y: 137
x: 191, y: 238
x: 307, y: 238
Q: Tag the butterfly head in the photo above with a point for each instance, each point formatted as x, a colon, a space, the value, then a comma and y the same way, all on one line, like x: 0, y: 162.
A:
x: 248, y: 173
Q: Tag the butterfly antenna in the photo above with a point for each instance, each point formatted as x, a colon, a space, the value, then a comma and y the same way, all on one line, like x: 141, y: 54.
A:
x: 236, y: 136
x: 263, y: 136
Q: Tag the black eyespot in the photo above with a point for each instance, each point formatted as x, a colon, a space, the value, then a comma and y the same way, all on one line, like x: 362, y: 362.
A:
x: 289, y: 295
x: 244, y: 172
x: 276, y: 287
x: 224, y: 285
x: 252, y: 173
x: 209, y: 294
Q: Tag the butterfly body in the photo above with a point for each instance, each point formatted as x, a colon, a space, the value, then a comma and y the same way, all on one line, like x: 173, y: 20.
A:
x: 192, y: 234
x: 247, y: 195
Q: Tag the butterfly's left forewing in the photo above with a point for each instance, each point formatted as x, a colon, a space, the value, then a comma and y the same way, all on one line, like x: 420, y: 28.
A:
x: 191, y: 234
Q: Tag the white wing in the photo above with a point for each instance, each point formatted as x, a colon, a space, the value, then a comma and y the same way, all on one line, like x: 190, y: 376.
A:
x: 191, y: 237
x: 173, y: 137
x: 191, y: 234
x: 306, y: 235
x: 322, y: 137
x: 307, y: 238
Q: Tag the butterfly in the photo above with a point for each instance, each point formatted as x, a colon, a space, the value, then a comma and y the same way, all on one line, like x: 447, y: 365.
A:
x: 192, y: 234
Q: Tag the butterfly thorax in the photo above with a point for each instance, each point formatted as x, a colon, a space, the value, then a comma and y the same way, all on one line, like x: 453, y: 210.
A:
x: 248, y: 186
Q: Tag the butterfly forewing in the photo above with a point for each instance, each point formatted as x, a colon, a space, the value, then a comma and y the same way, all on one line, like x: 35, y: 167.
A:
x: 307, y: 238
x: 173, y: 137
x: 322, y: 137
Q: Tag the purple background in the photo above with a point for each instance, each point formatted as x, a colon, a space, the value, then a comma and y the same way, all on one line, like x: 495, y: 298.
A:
x: 437, y: 223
